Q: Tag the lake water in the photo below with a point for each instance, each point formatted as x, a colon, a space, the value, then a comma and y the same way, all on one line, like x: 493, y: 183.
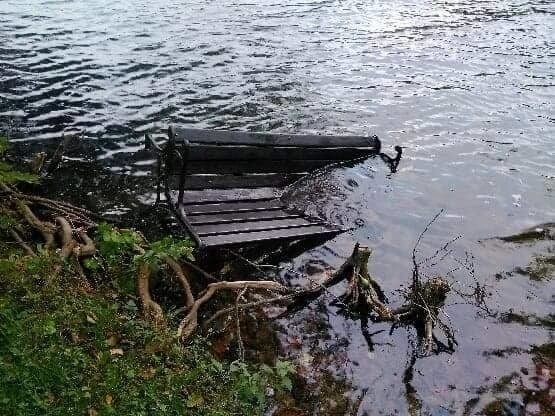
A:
x: 467, y: 87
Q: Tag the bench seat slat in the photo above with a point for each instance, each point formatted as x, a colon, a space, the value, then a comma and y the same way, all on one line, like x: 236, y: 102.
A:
x: 247, y: 226
x: 264, y: 180
x: 261, y: 236
x: 233, y: 206
x: 271, y: 139
x: 230, y: 200
x: 220, y: 218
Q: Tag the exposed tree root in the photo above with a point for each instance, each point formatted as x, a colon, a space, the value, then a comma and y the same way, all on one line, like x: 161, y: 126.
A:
x: 46, y: 229
x: 88, y: 248
x: 190, y: 322
x: 180, y: 274
x: 252, y: 305
x: 22, y: 243
x: 151, y: 309
x: 56, y: 219
x: 66, y: 235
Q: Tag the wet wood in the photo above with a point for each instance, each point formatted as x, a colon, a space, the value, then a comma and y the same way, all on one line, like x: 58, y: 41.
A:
x: 220, y: 218
x: 253, y: 166
x: 233, y: 206
x: 265, y: 236
x: 228, y: 153
x: 247, y: 226
x: 264, y: 180
x: 271, y: 139
x: 226, y: 199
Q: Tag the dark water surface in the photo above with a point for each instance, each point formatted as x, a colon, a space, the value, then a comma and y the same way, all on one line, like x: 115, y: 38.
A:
x: 466, y: 86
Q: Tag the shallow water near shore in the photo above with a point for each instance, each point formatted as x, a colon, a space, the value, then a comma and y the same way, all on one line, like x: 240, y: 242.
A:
x: 466, y: 87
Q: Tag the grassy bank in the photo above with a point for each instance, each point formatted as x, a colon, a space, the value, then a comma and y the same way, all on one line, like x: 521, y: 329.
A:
x: 71, y: 346
x: 67, y: 350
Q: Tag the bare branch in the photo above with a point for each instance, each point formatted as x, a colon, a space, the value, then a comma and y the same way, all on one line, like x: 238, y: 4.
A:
x: 415, y: 276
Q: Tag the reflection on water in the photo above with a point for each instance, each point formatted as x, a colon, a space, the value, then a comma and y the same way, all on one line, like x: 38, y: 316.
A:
x: 465, y: 87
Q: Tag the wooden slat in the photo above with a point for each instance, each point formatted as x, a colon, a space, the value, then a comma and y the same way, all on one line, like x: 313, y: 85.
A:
x: 254, y: 166
x: 229, y: 153
x: 236, y: 227
x: 271, y: 139
x: 222, y: 199
x: 260, y: 236
x: 233, y: 206
x: 219, y: 218
x: 265, y: 180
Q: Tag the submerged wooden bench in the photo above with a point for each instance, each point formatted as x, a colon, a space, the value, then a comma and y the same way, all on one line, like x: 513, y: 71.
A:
x: 204, y: 160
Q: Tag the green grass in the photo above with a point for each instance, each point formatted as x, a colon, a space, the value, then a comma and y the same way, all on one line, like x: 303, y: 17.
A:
x: 65, y: 351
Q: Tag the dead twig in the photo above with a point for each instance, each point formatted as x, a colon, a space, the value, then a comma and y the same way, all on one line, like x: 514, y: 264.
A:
x: 250, y: 305
x: 240, y: 345
x: 415, y: 274
x: 197, y: 269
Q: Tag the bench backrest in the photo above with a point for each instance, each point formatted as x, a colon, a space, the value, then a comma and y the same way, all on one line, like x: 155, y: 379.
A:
x: 215, y: 159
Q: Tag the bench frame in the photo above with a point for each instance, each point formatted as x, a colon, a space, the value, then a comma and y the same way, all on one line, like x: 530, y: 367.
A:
x: 164, y: 156
x: 171, y: 159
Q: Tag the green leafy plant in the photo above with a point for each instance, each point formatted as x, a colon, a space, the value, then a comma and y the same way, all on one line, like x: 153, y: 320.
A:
x: 113, y: 243
x: 167, y: 246
x: 4, y: 145
x: 283, y: 372
x: 252, y: 383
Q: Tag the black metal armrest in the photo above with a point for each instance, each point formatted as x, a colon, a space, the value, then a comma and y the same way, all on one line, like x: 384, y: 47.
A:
x: 150, y: 144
